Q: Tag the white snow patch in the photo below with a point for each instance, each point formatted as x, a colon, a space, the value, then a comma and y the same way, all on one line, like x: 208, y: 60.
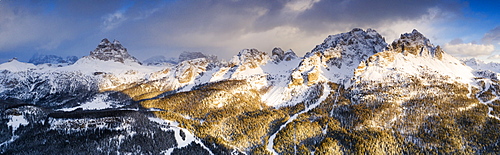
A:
x: 279, y: 93
x: 90, y: 66
x: 16, y: 121
x: 490, y: 115
x: 16, y: 66
x: 98, y: 103
x: 404, y: 65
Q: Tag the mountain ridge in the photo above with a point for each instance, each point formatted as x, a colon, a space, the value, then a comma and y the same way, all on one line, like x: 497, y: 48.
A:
x: 113, y: 51
x: 352, y: 94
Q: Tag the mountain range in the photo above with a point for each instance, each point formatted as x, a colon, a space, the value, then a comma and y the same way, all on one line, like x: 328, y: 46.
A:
x: 352, y: 94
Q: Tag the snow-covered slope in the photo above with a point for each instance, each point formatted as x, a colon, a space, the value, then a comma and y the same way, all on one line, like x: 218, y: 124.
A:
x: 477, y: 64
x: 337, y: 57
x: 413, y: 55
x: 108, y: 66
x: 16, y: 66
x: 332, y: 61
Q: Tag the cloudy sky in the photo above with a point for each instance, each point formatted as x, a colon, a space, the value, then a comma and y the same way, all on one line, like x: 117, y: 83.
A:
x: 224, y: 27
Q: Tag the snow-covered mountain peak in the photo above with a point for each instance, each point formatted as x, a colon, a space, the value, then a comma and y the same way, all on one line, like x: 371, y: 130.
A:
x: 246, y: 65
x: 338, y: 56
x: 117, y: 43
x: 354, y: 36
x: 480, y: 65
x: 279, y: 55
x: 190, y: 55
x: 104, y: 43
x: 187, y: 71
x: 415, y: 35
x: 289, y: 55
x: 412, y: 39
x: 417, y: 44
x: 15, y: 66
x: 413, y: 55
x: 111, y: 51
x: 251, y: 58
x: 472, y: 62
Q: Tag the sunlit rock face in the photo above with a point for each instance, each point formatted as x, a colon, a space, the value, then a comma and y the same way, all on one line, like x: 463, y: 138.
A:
x: 338, y: 56
x: 417, y: 44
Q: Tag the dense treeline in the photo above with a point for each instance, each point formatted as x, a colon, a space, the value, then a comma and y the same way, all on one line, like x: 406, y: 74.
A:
x: 377, y: 118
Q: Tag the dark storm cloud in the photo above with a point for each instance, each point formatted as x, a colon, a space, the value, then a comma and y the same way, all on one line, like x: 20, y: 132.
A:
x: 369, y: 12
x: 217, y: 16
x: 53, y: 27
x: 45, y: 24
x: 187, y: 23
x: 191, y: 23
x: 220, y: 26
x: 231, y: 16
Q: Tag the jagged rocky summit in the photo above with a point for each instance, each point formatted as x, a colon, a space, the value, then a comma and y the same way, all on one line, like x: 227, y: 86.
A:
x: 417, y: 44
x: 279, y: 55
x: 336, y: 58
x: 412, y: 55
x: 112, y: 51
x: 352, y: 94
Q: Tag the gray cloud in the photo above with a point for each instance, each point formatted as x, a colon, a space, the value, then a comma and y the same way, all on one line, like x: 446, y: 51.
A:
x: 21, y: 27
x: 456, y: 41
x: 221, y: 27
x: 367, y: 12
x: 492, y: 37
x: 211, y: 24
